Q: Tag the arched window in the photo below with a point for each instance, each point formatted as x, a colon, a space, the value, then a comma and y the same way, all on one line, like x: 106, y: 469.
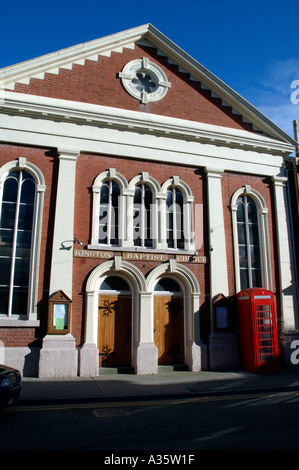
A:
x: 109, y: 209
x: 251, y: 242
x: 177, y: 212
x: 248, y: 243
x: 175, y: 218
x: 17, y: 225
x: 109, y: 213
x: 22, y: 187
x: 143, y: 216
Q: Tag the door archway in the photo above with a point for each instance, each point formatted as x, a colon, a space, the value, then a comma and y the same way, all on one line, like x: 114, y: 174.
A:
x: 89, y: 352
x: 195, y: 351
x: 169, y: 321
x: 114, y: 322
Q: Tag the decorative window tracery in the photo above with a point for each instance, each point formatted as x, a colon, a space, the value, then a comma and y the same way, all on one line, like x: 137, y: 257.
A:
x: 141, y: 213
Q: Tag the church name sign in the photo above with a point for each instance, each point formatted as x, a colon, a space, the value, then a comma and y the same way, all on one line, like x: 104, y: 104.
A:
x: 134, y: 256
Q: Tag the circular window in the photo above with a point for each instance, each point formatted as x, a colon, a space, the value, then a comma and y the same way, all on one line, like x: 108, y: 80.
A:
x: 144, y: 80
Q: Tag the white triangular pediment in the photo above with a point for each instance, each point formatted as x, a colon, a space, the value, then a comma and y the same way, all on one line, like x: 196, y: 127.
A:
x: 147, y: 35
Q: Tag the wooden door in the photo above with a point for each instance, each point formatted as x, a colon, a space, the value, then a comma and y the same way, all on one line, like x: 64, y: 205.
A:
x: 169, y: 329
x: 114, y: 334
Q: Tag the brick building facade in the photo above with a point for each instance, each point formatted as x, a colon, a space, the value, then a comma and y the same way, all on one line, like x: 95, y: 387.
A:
x: 140, y: 187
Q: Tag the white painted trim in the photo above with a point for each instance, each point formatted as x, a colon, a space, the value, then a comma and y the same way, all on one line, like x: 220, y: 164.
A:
x: 217, y: 242
x: 263, y: 235
x: 63, y: 237
x: 190, y: 291
x: 287, y: 280
x: 87, y: 114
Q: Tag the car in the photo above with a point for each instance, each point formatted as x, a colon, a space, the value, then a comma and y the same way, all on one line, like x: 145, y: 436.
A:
x: 10, y: 385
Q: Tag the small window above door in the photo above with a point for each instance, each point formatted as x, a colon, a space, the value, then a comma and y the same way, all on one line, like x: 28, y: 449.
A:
x: 167, y: 284
x: 114, y: 283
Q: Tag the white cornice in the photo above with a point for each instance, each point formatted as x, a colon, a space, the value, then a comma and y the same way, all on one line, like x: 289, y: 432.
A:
x: 115, y: 42
x: 51, y: 109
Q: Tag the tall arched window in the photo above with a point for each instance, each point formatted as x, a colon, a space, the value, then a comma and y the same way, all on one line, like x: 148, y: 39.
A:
x: 251, y: 240
x: 16, y: 229
x: 143, y: 216
x: 175, y: 218
x: 109, y: 213
x: 109, y: 209
x: 249, y: 243
x: 177, y: 213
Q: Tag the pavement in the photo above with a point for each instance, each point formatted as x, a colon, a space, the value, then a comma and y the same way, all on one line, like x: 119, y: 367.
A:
x: 116, y: 386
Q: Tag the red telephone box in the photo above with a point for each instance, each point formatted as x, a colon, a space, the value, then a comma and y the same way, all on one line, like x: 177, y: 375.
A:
x: 258, y: 330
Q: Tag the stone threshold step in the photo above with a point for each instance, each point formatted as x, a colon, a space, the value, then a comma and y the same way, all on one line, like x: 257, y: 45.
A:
x: 165, y: 369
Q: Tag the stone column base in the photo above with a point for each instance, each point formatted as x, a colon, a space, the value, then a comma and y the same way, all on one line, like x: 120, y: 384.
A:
x: 89, y: 360
x: 58, y: 357
x: 196, y: 356
x: 146, y: 358
x: 224, y: 352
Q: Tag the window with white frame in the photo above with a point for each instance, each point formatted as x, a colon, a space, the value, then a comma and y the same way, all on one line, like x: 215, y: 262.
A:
x: 141, y: 213
x: 109, y: 209
x: 178, y: 216
x: 109, y: 213
x: 19, y: 234
x: 251, y: 243
x: 143, y: 216
x: 175, y: 218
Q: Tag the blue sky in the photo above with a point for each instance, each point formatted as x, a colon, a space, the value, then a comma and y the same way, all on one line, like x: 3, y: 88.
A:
x: 252, y: 46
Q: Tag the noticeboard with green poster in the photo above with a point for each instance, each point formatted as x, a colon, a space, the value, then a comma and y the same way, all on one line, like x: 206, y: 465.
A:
x: 59, y: 313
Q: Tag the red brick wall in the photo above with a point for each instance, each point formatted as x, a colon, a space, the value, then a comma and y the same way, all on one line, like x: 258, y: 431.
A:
x: 88, y: 168
x: 98, y: 83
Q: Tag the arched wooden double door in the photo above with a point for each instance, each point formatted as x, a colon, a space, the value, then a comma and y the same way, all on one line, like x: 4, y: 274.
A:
x: 114, y: 325
x: 169, y: 322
